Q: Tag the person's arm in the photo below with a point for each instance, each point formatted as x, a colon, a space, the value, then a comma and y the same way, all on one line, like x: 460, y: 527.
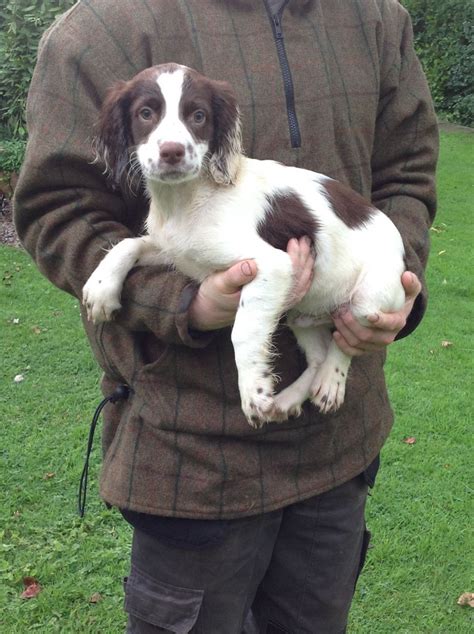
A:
x: 66, y: 212
x: 403, y: 186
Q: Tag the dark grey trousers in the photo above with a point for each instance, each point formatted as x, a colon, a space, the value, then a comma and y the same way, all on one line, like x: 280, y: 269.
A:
x: 289, y: 571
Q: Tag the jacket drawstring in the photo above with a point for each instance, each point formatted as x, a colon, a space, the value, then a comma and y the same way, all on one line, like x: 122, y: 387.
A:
x: 121, y: 392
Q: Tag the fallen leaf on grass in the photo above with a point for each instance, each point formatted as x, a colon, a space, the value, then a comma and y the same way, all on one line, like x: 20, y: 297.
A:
x: 48, y: 476
x: 95, y: 598
x: 36, y: 330
x: 446, y: 344
x: 466, y: 598
x: 439, y: 228
x: 32, y: 588
x: 411, y: 440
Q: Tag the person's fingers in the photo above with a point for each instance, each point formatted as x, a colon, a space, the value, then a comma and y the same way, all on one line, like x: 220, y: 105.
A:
x: 396, y: 321
x: 388, y: 322
x: 302, y: 259
x: 343, y: 345
x: 345, y: 326
x: 231, y: 280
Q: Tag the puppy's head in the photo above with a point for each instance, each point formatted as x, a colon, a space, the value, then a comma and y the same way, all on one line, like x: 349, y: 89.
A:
x: 175, y: 122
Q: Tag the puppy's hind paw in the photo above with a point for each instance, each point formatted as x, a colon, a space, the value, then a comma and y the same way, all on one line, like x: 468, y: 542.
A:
x: 328, y: 393
x: 282, y: 410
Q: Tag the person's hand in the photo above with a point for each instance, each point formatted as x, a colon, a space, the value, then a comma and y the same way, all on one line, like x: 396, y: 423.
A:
x: 302, y: 259
x: 217, y: 299
x: 355, y: 339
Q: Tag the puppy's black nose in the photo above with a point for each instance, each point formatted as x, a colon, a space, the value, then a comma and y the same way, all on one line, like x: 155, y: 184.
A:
x: 172, y: 153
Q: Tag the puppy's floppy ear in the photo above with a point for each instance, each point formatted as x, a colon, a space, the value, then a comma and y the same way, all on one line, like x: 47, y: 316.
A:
x: 226, y: 144
x: 114, y: 136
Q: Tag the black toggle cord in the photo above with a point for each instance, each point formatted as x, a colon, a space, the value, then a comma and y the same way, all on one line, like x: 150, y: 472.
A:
x: 120, y: 393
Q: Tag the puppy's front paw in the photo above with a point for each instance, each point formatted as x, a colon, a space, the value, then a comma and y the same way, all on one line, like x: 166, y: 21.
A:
x: 257, y: 401
x: 101, y: 299
x: 328, y: 389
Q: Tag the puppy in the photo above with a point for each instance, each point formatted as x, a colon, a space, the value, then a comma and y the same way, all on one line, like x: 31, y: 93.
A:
x: 210, y: 207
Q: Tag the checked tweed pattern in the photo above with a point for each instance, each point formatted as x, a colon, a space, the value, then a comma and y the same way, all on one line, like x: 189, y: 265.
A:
x: 180, y: 445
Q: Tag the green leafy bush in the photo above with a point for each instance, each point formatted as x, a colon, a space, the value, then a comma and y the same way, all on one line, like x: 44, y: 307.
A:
x: 11, y: 155
x: 22, y: 23
x: 444, y: 33
x: 444, y: 39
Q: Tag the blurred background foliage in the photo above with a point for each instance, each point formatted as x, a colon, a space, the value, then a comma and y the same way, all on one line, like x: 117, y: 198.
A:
x: 444, y: 36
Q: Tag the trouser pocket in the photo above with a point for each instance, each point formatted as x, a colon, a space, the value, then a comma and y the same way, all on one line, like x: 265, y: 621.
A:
x: 155, y: 606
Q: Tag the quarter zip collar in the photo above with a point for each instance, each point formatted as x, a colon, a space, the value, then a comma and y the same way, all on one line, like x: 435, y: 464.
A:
x: 275, y: 10
x: 276, y: 6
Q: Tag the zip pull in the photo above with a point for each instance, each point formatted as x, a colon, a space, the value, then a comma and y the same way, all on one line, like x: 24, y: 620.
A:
x: 277, y: 24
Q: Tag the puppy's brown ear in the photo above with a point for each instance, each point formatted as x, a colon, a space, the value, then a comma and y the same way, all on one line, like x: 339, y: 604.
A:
x: 114, y: 137
x: 226, y: 145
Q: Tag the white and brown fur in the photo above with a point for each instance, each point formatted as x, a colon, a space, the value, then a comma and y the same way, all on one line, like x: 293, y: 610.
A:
x: 211, y: 207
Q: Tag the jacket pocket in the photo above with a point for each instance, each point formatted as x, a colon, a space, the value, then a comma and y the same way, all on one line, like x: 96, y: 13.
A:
x: 158, y: 603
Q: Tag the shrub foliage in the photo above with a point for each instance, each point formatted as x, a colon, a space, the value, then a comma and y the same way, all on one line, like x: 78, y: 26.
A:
x: 444, y: 37
x: 444, y: 33
x: 22, y: 23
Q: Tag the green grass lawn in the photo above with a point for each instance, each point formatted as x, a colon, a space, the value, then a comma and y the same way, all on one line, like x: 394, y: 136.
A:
x: 420, y: 512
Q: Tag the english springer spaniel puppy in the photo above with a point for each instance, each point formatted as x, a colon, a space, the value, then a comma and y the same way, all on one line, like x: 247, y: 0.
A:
x: 210, y: 207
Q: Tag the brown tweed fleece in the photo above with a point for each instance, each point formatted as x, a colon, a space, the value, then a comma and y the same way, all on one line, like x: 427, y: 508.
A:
x: 180, y: 445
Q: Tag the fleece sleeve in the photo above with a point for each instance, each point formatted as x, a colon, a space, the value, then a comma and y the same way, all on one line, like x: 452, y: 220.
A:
x: 406, y: 149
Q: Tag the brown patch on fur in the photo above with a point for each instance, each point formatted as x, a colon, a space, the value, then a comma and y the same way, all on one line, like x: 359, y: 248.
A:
x: 222, y: 124
x: 120, y: 124
x: 349, y: 206
x: 197, y: 95
x: 287, y: 217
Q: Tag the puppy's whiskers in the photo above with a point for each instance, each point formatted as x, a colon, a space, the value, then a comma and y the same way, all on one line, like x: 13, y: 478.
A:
x: 134, y: 174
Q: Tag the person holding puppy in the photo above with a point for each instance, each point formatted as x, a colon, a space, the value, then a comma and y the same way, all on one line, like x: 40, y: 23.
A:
x: 235, y: 529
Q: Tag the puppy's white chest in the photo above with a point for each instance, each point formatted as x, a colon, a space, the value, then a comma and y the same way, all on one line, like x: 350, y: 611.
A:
x: 183, y: 247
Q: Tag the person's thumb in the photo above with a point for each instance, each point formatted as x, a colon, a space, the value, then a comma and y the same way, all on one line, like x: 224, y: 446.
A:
x: 411, y: 284
x: 237, y: 276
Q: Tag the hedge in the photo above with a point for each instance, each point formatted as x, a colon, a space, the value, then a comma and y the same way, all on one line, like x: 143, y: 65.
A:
x: 22, y: 23
x: 444, y: 35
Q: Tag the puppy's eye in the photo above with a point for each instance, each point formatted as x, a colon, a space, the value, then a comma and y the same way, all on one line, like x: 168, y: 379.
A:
x: 146, y: 114
x: 199, y: 116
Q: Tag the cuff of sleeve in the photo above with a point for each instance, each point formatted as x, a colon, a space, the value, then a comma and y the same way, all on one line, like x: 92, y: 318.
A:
x: 189, y: 336
x: 413, y: 264
x: 416, y: 315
